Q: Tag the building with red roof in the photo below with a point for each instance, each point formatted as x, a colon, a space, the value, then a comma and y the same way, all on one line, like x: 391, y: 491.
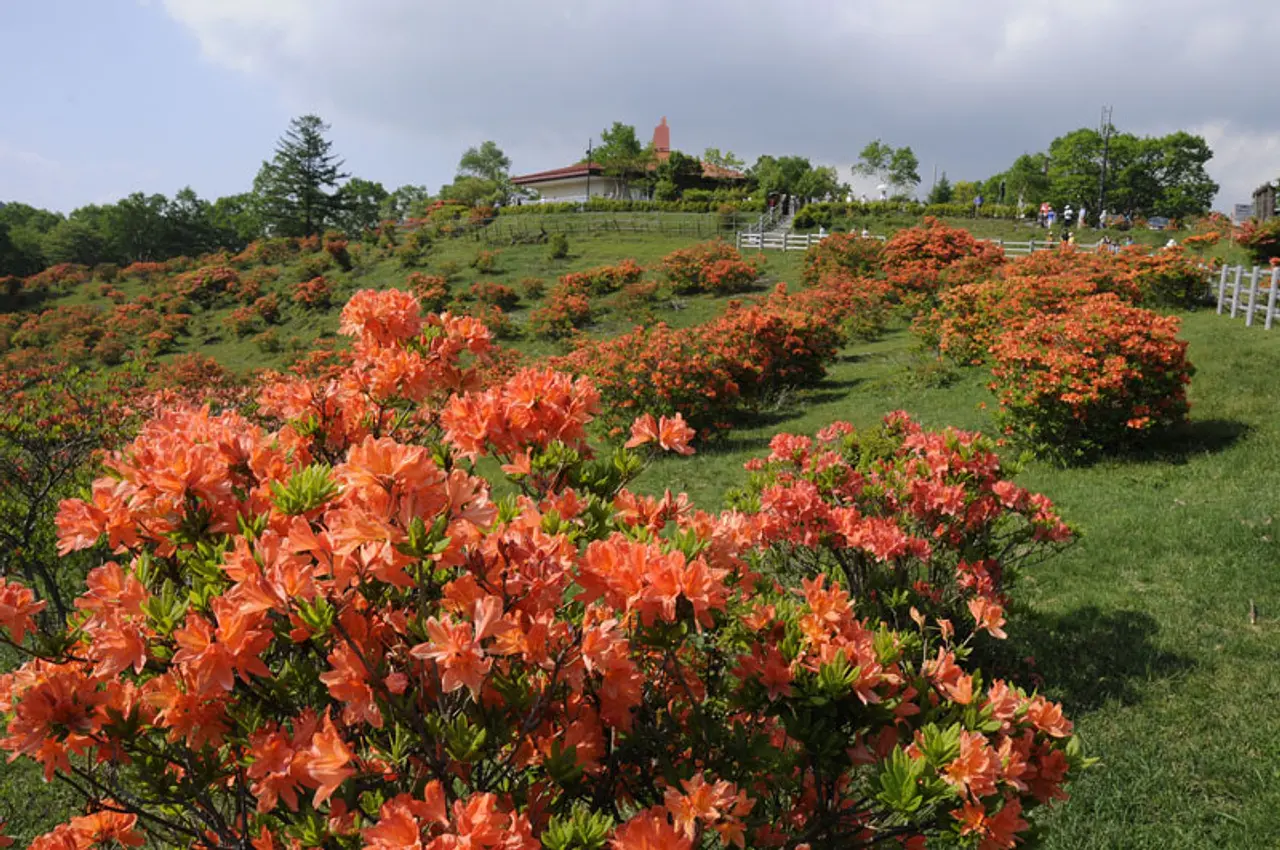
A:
x: 577, y: 183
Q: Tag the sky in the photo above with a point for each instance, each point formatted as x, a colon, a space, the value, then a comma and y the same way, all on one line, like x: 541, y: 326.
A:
x: 117, y: 96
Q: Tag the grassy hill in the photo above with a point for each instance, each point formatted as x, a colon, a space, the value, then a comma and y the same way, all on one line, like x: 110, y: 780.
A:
x: 1142, y: 628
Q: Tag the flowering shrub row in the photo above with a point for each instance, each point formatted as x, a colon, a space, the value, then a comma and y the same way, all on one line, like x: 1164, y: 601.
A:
x: 711, y: 373
x: 327, y: 631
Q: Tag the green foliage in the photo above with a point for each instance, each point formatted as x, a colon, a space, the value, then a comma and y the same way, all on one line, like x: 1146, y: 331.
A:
x: 483, y: 175
x: 73, y: 241
x: 361, y: 207
x: 298, y: 189
x: 942, y: 192
x: 558, y: 246
x: 897, y: 167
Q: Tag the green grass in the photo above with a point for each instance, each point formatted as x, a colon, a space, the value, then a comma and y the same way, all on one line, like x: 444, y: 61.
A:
x: 1142, y: 627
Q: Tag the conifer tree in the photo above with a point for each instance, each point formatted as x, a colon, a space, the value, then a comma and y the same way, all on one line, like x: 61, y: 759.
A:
x: 298, y: 188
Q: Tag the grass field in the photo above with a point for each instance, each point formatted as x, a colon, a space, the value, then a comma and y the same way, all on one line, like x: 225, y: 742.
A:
x: 1142, y: 628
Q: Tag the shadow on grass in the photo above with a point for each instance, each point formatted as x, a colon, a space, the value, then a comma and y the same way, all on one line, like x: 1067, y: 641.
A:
x: 1178, y: 445
x: 1088, y: 657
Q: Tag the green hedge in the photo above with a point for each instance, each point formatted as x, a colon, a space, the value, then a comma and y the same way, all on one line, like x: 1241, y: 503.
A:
x: 824, y: 214
x: 611, y: 205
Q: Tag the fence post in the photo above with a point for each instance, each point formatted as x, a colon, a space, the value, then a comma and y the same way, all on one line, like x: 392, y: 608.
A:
x: 1222, y: 289
x: 1271, y: 296
x: 1253, y: 296
x: 1235, y: 290
x: 1031, y: 246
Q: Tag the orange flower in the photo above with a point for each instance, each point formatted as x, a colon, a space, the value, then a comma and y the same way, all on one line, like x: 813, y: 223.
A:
x: 17, y: 607
x: 323, y: 765
x: 650, y: 830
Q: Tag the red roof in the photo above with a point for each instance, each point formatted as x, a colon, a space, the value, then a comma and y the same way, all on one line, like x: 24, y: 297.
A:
x: 579, y: 170
x: 715, y: 172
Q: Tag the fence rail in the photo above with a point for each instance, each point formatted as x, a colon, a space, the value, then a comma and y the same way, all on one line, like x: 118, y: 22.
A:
x: 1251, y: 292
x: 751, y: 240
x: 518, y: 229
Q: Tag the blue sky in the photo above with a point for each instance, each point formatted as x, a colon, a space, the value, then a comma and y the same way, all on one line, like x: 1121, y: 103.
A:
x: 113, y: 96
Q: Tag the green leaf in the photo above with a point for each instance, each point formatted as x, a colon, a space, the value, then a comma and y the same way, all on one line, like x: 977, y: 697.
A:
x: 306, y: 490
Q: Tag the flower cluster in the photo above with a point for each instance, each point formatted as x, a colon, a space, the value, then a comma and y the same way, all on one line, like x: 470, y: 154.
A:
x: 842, y: 254
x: 714, y: 266
x: 1096, y: 376
x: 566, y: 309
x: 497, y: 294
x: 604, y: 279
x: 921, y: 260
x: 915, y: 520
x: 314, y: 294
x: 330, y: 631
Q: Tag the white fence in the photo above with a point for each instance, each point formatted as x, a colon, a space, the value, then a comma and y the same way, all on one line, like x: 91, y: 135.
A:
x: 803, y: 241
x: 782, y: 241
x: 1251, y: 292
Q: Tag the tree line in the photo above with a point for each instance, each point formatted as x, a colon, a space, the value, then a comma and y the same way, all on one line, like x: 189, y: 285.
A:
x: 303, y: 190
x: 1145, y: 176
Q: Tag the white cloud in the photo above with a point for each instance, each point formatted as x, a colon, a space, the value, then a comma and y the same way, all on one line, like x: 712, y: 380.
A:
x: 968, y: 85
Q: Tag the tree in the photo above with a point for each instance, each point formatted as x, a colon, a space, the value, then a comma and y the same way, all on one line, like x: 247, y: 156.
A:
x: 490, y: 164
x: 904, y: 168
x: 138, y: 228
x: 404, y: 202
x: 874, y: 161
x: 676, y: 174
x: 74, y: 241
x: 298, y: 188
x: 238, y: 218
x: 818, y: 182
x: 621, y: 155
x: 1178, y: 161
x: 361, y: 205
x: 21, y: 251
x: 713, y: 156
x: 941, y: 193
x: 896, y: 167
x: 964, y: 191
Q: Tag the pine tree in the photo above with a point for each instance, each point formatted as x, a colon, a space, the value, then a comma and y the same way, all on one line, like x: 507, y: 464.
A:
x: 298, y: 188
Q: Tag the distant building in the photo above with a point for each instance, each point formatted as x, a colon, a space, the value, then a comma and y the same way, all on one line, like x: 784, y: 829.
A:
x: 1264, y: 201
x: 576, y: 183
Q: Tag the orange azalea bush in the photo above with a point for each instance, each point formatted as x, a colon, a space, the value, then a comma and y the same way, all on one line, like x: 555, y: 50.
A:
x: 327, y: 631
x: 921, y: 260
x: 604, y: 279
x: 969, y: 318
x: 433, y: 290
x: 566, y: 309
x: 497, y: 294
x: 1260, y: 239
x: 714, y: 266
x: 658, y: 370
x: 842, y: 254
x: 315, y: 294
x: 1098, y: 375
x: 915, y: 520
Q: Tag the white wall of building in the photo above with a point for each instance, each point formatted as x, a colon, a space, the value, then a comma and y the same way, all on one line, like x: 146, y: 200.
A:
x: 575, y: 189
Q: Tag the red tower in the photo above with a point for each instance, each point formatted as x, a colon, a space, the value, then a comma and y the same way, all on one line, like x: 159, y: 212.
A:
x: 662, y: 140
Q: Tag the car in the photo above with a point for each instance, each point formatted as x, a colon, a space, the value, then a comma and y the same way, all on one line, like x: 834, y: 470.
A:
x: 1157, y: 222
